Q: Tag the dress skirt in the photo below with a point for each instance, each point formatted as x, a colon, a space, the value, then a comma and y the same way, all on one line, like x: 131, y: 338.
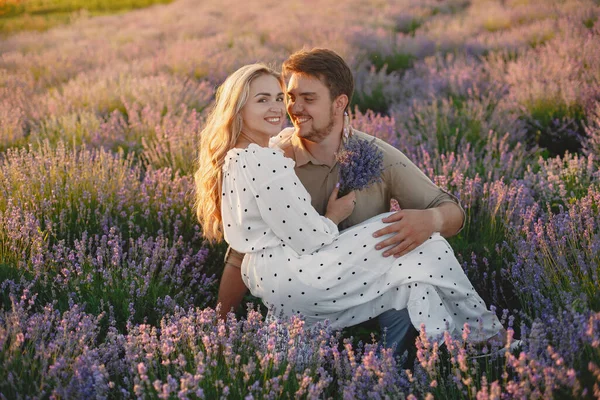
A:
x: 349, y: 281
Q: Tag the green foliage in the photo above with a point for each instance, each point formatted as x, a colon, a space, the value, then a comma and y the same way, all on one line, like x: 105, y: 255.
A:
x: 451, y: 7
x: 496, y: 24
x: 555, y: 125
x: 589, y: 22
x: 539, y: 40
x: 548, y: 109
x: 483, y: 230
x: 9, y: 273
x: 409, y: 28
x: 375, y: 101
x: 394, y: 62
x: 75, y: 129
x: 76, y: 191
x: 40, y: 15
x: 462, y: 126
x: 453, y: 121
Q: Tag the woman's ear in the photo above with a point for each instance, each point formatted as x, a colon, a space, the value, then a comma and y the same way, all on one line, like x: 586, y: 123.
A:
x: 340, y: 104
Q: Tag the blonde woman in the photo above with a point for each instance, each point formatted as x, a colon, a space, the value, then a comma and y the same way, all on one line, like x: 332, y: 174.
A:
x: 296, y: 260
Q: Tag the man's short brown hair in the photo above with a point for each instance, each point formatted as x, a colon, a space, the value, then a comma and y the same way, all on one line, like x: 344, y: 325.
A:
x: 324, y: 64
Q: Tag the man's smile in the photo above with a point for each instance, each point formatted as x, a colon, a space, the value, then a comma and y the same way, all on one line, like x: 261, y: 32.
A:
x: 301, y: 119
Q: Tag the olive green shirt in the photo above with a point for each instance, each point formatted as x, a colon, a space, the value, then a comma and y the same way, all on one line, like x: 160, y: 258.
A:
x: 402, y: 180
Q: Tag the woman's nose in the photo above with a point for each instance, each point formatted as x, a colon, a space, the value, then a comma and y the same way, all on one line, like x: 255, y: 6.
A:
x: 277, y: 107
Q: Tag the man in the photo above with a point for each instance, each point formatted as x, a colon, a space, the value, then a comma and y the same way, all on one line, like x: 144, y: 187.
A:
x: 319, y: 91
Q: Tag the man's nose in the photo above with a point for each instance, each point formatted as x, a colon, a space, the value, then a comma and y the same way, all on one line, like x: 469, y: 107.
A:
x: 296, y: 107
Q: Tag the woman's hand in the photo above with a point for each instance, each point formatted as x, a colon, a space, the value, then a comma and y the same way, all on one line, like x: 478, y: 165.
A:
x: 340, y: 209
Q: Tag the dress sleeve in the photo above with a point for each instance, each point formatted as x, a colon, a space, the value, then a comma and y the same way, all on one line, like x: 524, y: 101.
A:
x: 284, y: 203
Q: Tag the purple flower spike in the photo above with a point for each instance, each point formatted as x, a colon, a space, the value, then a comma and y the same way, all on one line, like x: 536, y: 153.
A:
x: 361, y: 164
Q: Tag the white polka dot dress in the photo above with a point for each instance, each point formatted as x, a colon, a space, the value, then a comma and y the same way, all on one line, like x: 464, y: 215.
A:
x: 298, y: 263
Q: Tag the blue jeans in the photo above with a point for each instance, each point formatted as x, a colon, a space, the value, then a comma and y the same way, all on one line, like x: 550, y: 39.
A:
x: 398, y: 330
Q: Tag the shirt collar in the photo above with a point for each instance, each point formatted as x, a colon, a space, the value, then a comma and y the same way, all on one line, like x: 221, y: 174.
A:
x: 303, y: 156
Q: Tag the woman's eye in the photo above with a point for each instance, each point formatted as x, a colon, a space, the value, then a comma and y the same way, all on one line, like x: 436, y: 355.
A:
x: 280, y: 99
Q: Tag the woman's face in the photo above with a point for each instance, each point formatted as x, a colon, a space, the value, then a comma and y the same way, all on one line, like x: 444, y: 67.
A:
x: 263, y: 113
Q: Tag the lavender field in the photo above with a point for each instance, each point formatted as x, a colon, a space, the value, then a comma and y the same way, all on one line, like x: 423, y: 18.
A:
x: 108, y: 288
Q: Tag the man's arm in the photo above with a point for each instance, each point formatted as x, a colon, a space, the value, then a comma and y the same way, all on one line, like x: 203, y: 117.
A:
x: 232, y: 288
x: 425, y: 208
x: 452, y: 218
x: 413, y: 227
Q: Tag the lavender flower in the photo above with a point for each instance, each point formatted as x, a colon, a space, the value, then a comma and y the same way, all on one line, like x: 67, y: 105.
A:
x: 361, y: 164
x: 102, y: 265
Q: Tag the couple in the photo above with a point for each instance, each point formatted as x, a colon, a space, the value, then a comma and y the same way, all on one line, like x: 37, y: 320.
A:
x: 299, y: 247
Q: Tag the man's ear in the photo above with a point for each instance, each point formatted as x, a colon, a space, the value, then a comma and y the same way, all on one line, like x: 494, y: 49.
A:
x: 340, y: 104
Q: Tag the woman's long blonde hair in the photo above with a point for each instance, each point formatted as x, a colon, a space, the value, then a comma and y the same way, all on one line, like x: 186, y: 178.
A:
x: 220, y: 135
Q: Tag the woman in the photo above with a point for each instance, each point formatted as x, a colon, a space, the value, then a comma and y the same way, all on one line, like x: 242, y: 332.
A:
x: 296, y: 260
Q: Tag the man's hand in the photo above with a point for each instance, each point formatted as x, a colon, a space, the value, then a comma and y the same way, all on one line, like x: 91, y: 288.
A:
x: 411, y: 228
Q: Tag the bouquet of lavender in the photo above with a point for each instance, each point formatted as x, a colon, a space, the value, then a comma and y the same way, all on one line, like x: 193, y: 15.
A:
x: 361, y: 164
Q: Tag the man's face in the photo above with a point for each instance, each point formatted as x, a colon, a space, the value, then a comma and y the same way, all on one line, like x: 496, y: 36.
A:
x: 310, y: 107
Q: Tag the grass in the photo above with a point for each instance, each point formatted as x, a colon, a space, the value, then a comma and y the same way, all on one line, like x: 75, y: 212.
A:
x: 589, y: 22
x: 451, y: 131
x: 41, y: 15
x: 555, y: 125
x: 492, y: 24
x: 484, y: 230
x: 394, y: 62
x: 452, y: 121
x: 450, y: 7
x: 375, y: 101
x: 540, y: 39
x: 410, y: 27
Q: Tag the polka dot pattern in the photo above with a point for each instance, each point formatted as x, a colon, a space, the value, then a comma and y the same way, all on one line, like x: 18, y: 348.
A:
x: 257, y: 213
x: 297, y: 262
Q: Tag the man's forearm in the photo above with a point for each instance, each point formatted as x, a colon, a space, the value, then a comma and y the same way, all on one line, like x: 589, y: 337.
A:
x: 231, y: 290
x: 449, y: 218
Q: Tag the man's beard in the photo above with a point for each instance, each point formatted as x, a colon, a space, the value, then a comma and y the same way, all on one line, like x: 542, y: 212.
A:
x: 317, y: 135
